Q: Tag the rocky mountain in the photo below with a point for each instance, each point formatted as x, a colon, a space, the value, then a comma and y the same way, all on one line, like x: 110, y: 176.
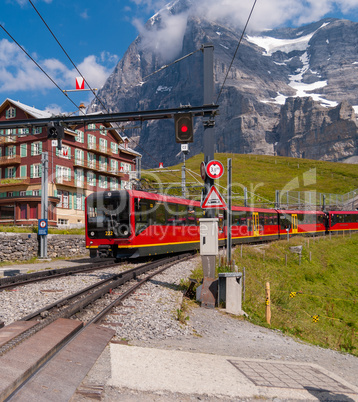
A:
x: 290, y: 91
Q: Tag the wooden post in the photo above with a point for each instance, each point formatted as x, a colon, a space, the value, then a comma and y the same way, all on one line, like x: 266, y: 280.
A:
x: 268, y: 303
x: 286, y: 259
x: 310, y: 256
x: 241, y: 251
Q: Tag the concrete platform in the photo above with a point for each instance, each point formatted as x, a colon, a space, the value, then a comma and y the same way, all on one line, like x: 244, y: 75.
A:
x: 160, y: 371
x: 18, y: 364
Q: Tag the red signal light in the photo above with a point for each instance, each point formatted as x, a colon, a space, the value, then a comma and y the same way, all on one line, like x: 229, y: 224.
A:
x: 184, y: 129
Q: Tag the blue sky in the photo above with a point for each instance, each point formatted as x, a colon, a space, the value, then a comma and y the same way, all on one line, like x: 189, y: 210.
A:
x: 96, y: 35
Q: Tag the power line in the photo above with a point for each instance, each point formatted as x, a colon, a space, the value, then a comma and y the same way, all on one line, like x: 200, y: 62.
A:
x: 54, y: 36
x: 13, y: 39
x: 237, y: 48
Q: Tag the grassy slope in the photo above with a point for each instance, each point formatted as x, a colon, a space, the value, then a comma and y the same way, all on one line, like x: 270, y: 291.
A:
x: 264, y: 174
x: 326, y: 286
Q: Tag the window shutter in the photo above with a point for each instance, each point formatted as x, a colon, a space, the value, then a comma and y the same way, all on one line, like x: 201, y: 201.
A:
x: 70, y: 200
x: 69, y: 152
x: 32, y: 171
x: 23, y: 150
x: 6, y: 173
x: 23, y: 171
x: 74, y: 201
x: 55, y: 193
x: 83, y: 202
x: 69, y: 173
x: 40, y: 146
x: 32, y: 149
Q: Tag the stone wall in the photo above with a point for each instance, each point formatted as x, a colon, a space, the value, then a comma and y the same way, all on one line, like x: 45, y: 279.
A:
x: 23, y: 246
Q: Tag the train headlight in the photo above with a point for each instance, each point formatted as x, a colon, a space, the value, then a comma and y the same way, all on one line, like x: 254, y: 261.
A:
x: 92, y: 234
x: 125, y: 233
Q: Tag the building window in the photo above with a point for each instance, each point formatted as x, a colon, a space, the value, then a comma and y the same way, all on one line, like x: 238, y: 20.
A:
x: 37, y: 130
x: 103, y: 130
x: 79, y: 177
x: 9, y: 137
x: 65, y: 152
x: 62, y: 221
x: 23, y: 211
x: 22, y: 193
x: 91, y: 139
x: 80, y: 137
x: 11, y: 113
x: 102, y: 181
x: 102, y: 163
x: 91, y: 179
x: 79, y: 156
x: 78, y: 201
x: 64, y: 197
x: 125, y: 185
x: 63, y: 174
x: 23, y: 131
x: 36, y: 192
x: 91, y: 126
x: 102, y: 145
x: 113, y: 183
x: 10, y: 172
x: 36, y: 148
x: 35, y: 171
x: 91, y: 160
x: 114, y: 148
x: 10, y: 193
x: 10, y: 151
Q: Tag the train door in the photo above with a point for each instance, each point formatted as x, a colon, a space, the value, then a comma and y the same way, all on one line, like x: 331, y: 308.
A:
x: 256, y: 227
x: 294, y: 223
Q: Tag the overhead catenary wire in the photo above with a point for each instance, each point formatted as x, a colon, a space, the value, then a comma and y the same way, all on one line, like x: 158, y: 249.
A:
x: 237, y: 48
x: 94, y: 93
x: 37, y: 64
x: 74, y: 65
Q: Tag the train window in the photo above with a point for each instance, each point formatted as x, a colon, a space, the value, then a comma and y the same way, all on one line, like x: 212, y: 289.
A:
x: 142, y: 215
x: 182, y: 214
x: 160, y: 215
x: 191, y: 216
x: 199, y: 213
x: 262, y: 219
x: 239, y: 218
x: 172, y: 213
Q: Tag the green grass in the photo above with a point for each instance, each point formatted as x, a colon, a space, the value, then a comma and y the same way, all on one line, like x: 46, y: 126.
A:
x: 262, y: 174
x: 33, y: 229
x: 326, y: 286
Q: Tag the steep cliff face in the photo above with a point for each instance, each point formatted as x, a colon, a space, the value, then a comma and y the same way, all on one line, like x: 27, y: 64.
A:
x: 263, y: 105
x: 308, y: 130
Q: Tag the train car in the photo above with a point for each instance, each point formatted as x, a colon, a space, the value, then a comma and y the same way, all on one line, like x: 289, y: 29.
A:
x: 253, y: 225
x: 295, y: 222
x: 131, y: 224
x: 342, y: 221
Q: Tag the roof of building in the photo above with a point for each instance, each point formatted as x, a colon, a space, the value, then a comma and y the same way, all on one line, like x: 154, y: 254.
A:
x: 36, y: 113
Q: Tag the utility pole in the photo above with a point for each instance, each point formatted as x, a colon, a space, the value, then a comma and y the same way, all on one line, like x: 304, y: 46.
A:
x: 185, y: 150
x: 209, y: 123
x: 44, y: 202
x: 229, y: 211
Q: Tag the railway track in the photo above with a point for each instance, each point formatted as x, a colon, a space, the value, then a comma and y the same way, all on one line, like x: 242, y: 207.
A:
x: 69, y: 306
x: 24, y: 279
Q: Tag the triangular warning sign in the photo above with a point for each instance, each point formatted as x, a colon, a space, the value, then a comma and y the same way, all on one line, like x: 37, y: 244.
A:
x: 80, y: 83
x: 213, y: 199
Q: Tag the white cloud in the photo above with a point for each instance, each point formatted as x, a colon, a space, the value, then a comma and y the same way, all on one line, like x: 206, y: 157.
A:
x: 165, y: 39
x: 19, y: 73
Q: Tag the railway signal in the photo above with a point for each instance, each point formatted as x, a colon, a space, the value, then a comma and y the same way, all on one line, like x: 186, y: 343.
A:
x: 184, y: 131
x: 56, y: 132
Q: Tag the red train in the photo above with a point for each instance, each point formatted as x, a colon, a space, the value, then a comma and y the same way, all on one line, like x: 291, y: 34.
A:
x: 131, y: 224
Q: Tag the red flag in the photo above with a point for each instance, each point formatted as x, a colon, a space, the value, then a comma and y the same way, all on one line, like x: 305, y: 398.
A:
x: 80, y: 83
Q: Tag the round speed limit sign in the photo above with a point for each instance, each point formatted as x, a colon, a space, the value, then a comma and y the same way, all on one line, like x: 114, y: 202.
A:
x: 214, y: 169
x: 43, y: 224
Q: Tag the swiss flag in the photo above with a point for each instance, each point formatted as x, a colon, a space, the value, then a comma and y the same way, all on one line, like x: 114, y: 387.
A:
x: 80, y: 83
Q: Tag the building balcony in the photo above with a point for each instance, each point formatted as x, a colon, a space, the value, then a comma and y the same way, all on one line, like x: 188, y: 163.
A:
x: 15, y: 181
x: 7, y: 139
x: 10, y: 160
x: 66, y: 182
x: 98, y: 149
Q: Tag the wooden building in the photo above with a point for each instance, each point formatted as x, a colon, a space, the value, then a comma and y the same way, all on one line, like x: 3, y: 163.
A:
x: 93, y: 158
